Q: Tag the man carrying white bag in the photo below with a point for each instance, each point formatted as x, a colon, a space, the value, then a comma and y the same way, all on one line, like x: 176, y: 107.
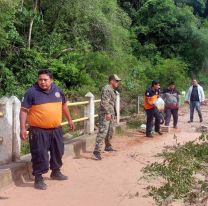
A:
x: 153, y: 104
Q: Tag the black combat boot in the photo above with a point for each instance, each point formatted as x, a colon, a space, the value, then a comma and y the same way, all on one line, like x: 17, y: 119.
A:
x: 39, y: 183
x: 97, y: 155
x: 109, y: 149
x: 57, y: 175
x: 149, y: 135
x: 160, y: 133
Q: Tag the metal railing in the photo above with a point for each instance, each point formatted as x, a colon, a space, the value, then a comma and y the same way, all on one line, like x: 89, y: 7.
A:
x: 89, y: 112
x: 10, y: 137
x: 71, y: 104
x: 77, y: 103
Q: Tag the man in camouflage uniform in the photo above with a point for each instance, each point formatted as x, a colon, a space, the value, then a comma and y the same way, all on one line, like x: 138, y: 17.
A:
x: 106, y: 116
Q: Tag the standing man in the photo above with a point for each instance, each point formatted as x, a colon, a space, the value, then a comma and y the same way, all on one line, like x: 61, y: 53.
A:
x: 195, y: 97
x: 43, y: 105
x: 171, y: 98
x: 106, y: 116
x: 151, y: 96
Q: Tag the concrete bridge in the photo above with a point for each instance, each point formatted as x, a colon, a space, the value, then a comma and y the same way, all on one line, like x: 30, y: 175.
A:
x: 15, y: 168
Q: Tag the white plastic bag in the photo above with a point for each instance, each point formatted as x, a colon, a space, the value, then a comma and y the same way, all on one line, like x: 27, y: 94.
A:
x: 160, y: 104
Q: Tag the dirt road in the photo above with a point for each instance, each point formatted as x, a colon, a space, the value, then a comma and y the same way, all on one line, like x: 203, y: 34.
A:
x: 112, y: 181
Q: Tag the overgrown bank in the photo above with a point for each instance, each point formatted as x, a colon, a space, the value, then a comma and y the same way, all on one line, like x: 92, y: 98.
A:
x: 83, y: 42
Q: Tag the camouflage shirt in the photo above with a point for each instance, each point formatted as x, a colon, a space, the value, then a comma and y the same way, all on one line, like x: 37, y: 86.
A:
x: 108, y: 101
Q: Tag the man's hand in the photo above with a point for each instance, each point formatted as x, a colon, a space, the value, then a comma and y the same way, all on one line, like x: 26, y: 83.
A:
x: 108, y: 117
x: 23, y: 134
x: 71, y: 125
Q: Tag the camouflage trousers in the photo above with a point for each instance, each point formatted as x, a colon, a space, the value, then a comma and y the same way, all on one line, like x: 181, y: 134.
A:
x: 105, y: 133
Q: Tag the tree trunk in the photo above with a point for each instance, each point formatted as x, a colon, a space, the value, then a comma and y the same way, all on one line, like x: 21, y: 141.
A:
x: 22, y: 4
x: 31, y: 24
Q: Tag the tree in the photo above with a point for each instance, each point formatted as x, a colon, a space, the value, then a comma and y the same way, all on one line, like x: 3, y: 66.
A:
x: 7, y: 11
x: 199, y: 6
x: 173, y: 30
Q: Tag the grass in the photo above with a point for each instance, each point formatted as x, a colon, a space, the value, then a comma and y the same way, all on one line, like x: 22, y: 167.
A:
x: 25, y: 148
x: 135, y: 121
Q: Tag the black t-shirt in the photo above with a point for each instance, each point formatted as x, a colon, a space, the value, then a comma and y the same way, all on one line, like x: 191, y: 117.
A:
x: 194, y: 94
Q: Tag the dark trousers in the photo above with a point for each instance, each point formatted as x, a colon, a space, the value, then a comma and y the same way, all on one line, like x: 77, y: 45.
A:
x: 193, y: 105
x: 168, y: 113
x: 41, y: 142
x: 151, y: 114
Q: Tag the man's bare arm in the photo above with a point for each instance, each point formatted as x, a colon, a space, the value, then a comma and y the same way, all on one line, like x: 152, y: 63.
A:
x: 67, y: 114
x: 23, y: 119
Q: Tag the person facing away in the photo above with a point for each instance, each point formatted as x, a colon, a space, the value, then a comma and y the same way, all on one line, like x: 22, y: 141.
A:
x: 43, y: 105
x: 195, y: 97
x: 171, y: 99
x: 151, y: 96
x: 107, y: 113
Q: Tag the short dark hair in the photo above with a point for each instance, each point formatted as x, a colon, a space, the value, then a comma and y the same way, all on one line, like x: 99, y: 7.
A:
x: 155, y: 82
x: 111, y: 77
x: 171, y: 83
x: 45, y: 71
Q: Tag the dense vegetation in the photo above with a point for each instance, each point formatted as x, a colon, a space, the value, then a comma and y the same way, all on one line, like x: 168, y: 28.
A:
x: 83, y: 42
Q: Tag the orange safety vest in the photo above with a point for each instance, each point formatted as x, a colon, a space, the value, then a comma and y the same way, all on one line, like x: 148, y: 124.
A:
x: 149, y: 98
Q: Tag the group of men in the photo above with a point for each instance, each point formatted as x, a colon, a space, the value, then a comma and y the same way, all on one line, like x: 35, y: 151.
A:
x: 194, y: 97
x: 44, y: 103
x: 42, y: 107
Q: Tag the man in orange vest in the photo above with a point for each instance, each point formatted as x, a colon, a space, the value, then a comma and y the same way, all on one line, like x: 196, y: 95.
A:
x: 151, y: 95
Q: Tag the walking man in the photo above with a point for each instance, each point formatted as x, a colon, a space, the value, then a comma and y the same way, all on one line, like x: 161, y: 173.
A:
x: 43, y: 105
x: 106, y: 115
x: 171, y: 98
x: 151, y: 96
x: 195, y: 97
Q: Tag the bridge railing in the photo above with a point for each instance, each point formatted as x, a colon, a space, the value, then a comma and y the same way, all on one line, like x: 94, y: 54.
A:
x: 89, y: 112
x: 10, y: 142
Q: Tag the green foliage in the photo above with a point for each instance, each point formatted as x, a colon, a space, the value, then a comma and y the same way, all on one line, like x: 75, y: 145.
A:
x: 7, y: 30
x: 199, y: 6
x: 168, y: 70
x: 25, y: 148
x: 8, y: 83
x: 83, y: 42
x: 135, y: 122
x: 171, y: 29
x: 179, y: 165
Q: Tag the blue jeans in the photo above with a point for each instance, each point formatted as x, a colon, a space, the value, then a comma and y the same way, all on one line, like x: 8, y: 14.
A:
x: 193, y: 105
